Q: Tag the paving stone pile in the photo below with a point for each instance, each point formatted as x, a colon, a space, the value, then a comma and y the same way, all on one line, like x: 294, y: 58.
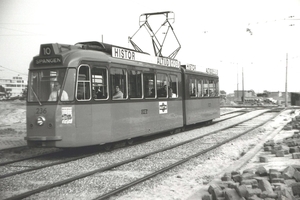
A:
x: 286, y: 146
x: 294, y: 124
x: 260, y: 183
x: 257, y: 185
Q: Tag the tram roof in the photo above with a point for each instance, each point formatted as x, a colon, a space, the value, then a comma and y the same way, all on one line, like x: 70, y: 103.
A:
x: 129, y: 54
x: 100, y: 46
x: 53, y: 54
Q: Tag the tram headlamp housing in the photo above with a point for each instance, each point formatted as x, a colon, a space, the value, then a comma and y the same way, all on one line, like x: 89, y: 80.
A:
x: 40, y: 120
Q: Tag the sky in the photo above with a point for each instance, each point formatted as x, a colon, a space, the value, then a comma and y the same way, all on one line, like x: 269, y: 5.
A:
x: 211, y: 34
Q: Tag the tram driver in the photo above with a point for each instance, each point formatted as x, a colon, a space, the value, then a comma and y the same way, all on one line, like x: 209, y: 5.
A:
x: 118, y: 94
x: 56, y: 92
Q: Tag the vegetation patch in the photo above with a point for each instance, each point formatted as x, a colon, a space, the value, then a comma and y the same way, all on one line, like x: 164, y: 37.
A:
x: 8, y: 131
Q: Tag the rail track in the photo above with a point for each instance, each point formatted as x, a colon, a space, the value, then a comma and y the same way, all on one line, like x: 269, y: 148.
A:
x: 178, y: 152
x: 223, y: 117
x: 48, y: 153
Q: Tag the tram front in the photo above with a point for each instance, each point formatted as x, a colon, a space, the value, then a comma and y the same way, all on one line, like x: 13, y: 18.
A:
x: 49, y: 110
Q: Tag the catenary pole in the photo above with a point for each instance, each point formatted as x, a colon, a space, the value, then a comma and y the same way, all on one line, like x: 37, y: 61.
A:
x: 286, y: 72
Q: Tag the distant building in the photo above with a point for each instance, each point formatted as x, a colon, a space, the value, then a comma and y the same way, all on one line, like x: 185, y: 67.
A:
x: 248, y: 94
x: 293, y: 98
x: 280, y: 97
x: 14, y: 86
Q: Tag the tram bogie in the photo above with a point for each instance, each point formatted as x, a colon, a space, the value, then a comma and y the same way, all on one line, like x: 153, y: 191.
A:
x: 95, y: 93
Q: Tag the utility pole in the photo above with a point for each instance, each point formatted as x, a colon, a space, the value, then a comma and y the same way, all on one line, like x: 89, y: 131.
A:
x: 286, y: 72
x: 237, y: 89
x: 243, y: 95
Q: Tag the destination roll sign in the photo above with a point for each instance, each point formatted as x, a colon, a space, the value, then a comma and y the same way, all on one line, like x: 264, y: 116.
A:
x: 47, y: 56
x: 128, y: 54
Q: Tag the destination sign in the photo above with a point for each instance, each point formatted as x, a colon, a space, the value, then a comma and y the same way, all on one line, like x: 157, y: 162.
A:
x: 191, y: 67
x: 123, y: 53
x: 47, y: 60
x: 136, y: 56
x: 212, y: 71
x: 168, y: 62
x: 48, y: 56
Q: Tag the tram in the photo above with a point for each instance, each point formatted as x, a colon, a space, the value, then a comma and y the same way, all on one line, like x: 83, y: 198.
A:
x: 95, y: 93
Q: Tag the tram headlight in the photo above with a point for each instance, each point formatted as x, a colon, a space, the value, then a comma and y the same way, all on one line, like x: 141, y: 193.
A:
x: 40, y: 120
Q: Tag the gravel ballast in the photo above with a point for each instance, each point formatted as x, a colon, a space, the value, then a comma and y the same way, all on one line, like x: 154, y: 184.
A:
x: 178, y: 183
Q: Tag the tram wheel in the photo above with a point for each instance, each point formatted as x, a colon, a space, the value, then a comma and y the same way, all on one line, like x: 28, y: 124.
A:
x: 107, y: 147
x: 129, y: 141
x: 208, y: 122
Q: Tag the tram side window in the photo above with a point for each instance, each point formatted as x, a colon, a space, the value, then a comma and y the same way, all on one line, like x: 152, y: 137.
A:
x: 99, y: 80
x: 83, y: 83
x: 118, y: 83
x: 149, y: 85
x: 200, y: 88
x: 213, y: 89
x: 217, y: 88
x: 135, y: 84
x: 192, y: 87
x: 173, y: 88
x: 162, y: 85
x: 206, y: 88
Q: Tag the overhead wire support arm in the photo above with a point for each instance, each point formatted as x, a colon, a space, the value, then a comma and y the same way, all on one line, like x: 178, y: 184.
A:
x: 157, y: 45
x: 135, y: 46
x: 174, y: 53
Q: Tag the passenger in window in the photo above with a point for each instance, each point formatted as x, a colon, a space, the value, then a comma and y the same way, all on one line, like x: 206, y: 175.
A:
x: 206, y: 93
x: 152, y: 94
x: 162, y: 92
x: 118, y: 94
x: 171, y: 94
x: 56, y: 92
x: 98, y: 93
x: 194, y: 92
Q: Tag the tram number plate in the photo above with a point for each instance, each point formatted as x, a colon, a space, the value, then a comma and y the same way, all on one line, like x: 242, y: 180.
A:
x: 144, y: 111
x: 40, y: 111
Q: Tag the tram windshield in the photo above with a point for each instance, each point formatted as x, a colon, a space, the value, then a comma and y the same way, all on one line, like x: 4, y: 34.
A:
x: 51, y: 85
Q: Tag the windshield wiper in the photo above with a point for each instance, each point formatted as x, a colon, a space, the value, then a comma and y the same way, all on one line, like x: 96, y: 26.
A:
x: 35, y: 95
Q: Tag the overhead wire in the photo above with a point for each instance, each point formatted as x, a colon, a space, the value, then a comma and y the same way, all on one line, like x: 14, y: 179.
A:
x: 13, y: 70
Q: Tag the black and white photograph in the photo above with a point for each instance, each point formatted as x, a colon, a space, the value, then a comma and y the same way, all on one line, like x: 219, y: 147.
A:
x: 150, y: 100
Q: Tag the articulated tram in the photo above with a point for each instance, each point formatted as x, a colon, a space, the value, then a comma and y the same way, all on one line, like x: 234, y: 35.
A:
x: 95, y: 93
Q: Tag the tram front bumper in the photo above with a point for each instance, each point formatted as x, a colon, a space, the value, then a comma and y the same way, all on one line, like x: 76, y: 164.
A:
x: 42, y: 141
x: 43, y: 138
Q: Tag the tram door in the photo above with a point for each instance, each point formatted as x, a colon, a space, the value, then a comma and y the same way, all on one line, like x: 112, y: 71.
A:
x: 83, y: 112
x: 101, y: 115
